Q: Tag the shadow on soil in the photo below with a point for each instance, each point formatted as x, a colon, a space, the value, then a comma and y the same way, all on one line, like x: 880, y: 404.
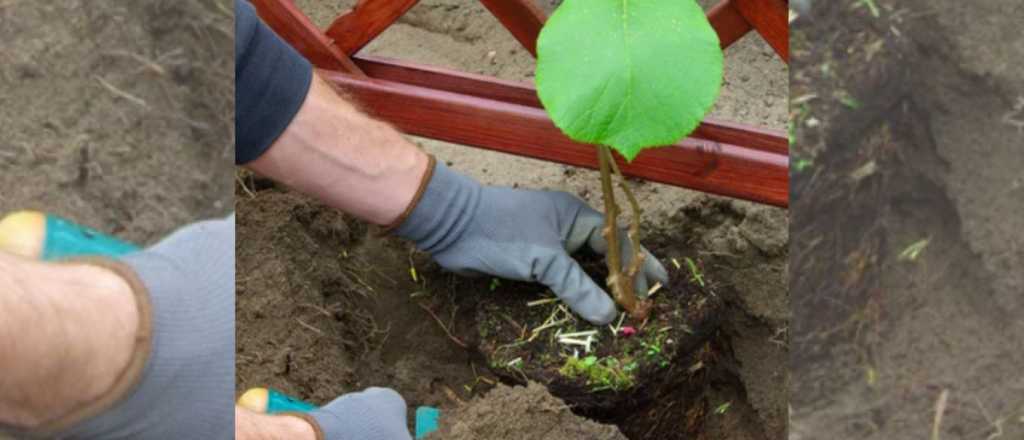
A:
x: 897, y: 296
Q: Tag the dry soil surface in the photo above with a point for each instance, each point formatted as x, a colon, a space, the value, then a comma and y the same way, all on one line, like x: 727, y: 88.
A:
x: 117, y: 115
x: 925, y: 152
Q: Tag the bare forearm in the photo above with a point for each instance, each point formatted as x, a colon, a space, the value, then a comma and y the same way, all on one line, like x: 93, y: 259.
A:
x: 66, y: 335
x: 253, y: 426
x: 335, y: 153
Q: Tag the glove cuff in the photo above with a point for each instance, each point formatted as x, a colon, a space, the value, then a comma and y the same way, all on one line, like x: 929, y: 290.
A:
x: 445, y: 209
x: 129, y: 378
x: 427, y: 176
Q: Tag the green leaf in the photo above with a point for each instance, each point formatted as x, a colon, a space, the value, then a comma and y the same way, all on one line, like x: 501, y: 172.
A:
x: 630, y: 74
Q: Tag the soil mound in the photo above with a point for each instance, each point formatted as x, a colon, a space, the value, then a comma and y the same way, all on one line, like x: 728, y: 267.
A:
x: 520, y: 412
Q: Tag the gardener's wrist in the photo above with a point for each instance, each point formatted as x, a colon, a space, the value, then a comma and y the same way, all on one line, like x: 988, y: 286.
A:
x: 255, y: 426
x: 344, y: 158
x: 443, y: 209
x: 70, y: 364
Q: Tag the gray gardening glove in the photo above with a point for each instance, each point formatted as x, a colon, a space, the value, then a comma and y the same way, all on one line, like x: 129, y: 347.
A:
x: 374, y: 414
x: 183, y: 387
x: 517, y: 234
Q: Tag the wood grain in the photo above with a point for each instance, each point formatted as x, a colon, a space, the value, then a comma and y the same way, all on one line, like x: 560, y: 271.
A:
x: 771, y: 19
x: 713, y: 167
x: 368, y: 19
x: 523, y: 18
x: 524, y: 94
x: 294, y: 27
x: 728, y: 22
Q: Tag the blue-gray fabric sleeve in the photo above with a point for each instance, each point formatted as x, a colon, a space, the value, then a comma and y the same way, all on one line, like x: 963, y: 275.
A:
x: 271, y: 82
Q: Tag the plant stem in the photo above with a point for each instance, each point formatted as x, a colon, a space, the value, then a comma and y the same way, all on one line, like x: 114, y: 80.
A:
x: 620, y: 284
x: 634, y: 226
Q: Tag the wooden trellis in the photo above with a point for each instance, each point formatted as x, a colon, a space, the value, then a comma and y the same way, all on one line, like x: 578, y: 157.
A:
x: 720, y: 157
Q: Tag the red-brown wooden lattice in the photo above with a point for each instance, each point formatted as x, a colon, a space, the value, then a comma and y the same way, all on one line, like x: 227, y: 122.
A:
x: 721, y: 157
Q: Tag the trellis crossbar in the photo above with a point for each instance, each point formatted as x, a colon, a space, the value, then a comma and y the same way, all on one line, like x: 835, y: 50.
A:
x: 720, y: 157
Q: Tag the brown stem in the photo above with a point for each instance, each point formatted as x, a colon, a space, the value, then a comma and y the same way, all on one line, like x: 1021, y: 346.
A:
x: 621, y: 286
x: 643, y: 307
x: 634, y: 226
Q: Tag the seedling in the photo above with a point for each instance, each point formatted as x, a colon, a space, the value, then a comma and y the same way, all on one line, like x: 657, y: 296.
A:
x: 802, y: 164
x: 495, y: 284
x: 515, y: 363
x: 848, y: 100
x: 695, y: 274
x: 601, y: 374
x: 614, y: 89
x: 723, y: 408
x: 654, y: 348
x: 910, y: 253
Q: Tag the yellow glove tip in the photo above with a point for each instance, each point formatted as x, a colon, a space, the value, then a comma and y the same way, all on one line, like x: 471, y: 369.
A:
x: 255, y: 399
x: 23, y: 233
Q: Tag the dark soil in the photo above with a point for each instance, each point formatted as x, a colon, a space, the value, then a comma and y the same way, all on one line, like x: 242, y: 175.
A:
x: 326, y: 307
x: 140, y: 167
x: 323, y: 309
x: 507, y: 413
x: 920, y: 152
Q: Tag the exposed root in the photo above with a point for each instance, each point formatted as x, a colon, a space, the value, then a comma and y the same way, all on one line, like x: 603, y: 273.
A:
x: 454, y: 339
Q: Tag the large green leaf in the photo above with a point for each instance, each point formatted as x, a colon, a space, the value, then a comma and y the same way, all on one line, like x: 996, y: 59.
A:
x: 630, y: 74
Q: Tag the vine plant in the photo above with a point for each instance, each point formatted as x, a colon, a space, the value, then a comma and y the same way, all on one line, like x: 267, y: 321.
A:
x: 627, y: 75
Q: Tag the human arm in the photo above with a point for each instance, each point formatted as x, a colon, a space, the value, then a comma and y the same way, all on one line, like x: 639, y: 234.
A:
x: 57, y: 358
x: 168, y: 375
x: 256, y: 426
x: 334, y: 152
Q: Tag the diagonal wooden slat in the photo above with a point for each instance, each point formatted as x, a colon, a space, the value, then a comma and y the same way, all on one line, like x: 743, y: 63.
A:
x: 523, y: 18
x: 368, y: 19
x: 295, y: 28
x: 771, y: 19
x: 728, y: 22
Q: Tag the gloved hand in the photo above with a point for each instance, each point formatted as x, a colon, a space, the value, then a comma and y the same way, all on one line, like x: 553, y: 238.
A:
x: 374, y: 414
x: 517, y: 234
x: 181, y: 381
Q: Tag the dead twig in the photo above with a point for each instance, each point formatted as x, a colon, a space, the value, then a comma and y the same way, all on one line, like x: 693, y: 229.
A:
x: 457, y: 341
x: 147, y: 63
x: 121, y: 93
x: 451, y: 395
x: 940, y: 409
x: 245, y: 187
x: 522, y: 330
x: 322, y: 310
x: 314, y: 329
